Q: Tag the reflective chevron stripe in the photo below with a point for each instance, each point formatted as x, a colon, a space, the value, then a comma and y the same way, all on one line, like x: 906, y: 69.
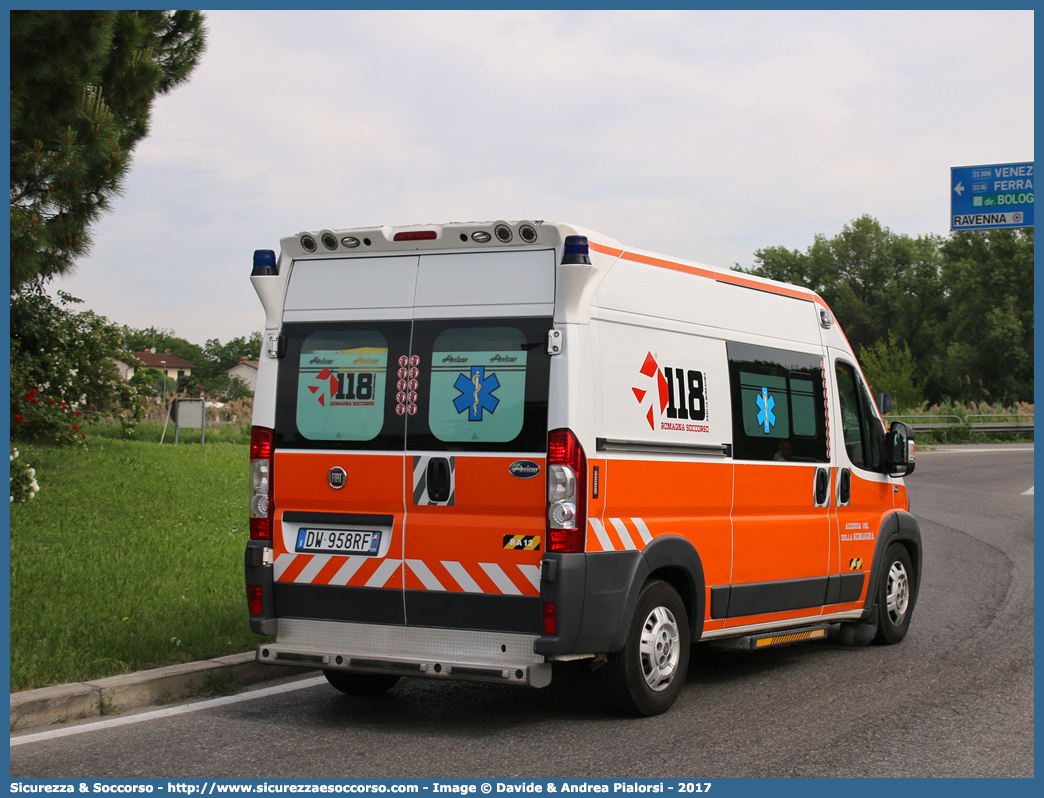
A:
x: 629, y: 540
x: 331, y: 569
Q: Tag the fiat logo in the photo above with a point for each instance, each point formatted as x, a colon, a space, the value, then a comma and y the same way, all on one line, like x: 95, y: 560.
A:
x: 337, y: 477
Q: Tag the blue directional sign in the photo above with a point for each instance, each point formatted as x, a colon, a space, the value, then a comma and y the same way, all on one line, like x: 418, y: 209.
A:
x: 992, y: 196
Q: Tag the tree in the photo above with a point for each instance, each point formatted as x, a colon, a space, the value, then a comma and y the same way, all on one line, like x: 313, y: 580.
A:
x: 877, y: 282
x: 221, y: 357
x: 989, y: 315
x: 212, y: 361
x: 82, y: 87
x: 889, y: 366
x: 163, y: 340
x: 933, y: 317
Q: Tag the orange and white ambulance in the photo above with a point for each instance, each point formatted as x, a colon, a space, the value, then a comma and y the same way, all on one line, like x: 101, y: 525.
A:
x: 480, y: 449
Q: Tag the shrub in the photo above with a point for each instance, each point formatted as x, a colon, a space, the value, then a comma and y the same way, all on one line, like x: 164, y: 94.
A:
x: 63, y: 372
x: 23, y: 479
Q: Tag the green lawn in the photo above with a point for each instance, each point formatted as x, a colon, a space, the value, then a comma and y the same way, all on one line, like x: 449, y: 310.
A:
x: 130, y: 557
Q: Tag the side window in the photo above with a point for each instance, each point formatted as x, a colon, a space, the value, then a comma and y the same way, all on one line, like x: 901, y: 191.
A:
x: 778, y: 404
x: 862, y: 431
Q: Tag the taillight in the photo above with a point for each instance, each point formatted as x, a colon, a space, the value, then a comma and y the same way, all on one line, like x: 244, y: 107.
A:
x: 255, y: 600
x: 262, y: 508
x: 566, y: 492
x: 549, y: 618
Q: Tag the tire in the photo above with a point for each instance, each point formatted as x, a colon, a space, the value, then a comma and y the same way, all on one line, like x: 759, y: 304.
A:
x: 646, y: 676
x: 360, y: 684
x: 896, y: 592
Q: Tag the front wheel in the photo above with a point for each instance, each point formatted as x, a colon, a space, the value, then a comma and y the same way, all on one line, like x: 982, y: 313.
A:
x: 360, y: 684
x: 895, y: 595
x: 646, y: 676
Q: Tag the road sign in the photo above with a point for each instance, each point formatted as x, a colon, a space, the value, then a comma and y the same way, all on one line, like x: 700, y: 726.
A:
x: 992, y: 196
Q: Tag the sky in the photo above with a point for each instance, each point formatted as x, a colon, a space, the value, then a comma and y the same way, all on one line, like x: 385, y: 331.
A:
x: 705, y: 135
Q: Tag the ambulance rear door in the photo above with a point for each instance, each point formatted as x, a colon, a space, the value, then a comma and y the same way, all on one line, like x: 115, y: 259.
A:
x: 339, y: 442
x: 474, y: 393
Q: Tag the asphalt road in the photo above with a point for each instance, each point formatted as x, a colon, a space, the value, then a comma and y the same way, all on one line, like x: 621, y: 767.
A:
x: 954, y: 699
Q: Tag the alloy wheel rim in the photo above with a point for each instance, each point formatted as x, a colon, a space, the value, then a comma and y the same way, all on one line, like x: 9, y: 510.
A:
x: 897, y: 596
x: 659, y: 649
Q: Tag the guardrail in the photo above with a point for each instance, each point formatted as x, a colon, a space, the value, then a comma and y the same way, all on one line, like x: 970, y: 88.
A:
x: 1014, y: 423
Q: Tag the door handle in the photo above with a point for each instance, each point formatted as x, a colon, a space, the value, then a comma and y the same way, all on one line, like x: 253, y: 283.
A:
x: 844, y: 487
x: 822, y: 487
x: 438, y: 478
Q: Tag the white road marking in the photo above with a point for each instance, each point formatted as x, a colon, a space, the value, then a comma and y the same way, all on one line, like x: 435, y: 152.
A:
x: 1028, y: 492
x: 985, y: 449
x: 166, y: 712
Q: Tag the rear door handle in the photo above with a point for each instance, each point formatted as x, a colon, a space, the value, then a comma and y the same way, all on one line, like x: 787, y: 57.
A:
x: 438, y: 478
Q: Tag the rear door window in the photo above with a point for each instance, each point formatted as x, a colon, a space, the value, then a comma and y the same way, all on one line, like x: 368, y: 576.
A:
x: 483, y: 385
x: 478, y: 384
x: 341, y: 385
x: 336, y: 386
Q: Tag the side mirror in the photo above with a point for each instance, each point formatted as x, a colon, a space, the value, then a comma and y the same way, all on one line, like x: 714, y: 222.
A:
x: 900, y: 449
x: 884, y: 403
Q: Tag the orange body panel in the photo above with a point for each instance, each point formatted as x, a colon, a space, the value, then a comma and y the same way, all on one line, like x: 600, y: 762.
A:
x: 374, y: 483
x: 858, y: 525
x: 779, y: 533
x: 691, y: 500
x: 490, y: 505
x: 373, y: 487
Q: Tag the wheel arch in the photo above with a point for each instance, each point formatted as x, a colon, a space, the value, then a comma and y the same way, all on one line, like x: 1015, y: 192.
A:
x: 674, y: 560
x: 898, y: 526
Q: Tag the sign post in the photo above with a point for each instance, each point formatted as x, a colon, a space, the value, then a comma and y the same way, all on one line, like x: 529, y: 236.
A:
x: 191, y: 414
x: 992, y: 196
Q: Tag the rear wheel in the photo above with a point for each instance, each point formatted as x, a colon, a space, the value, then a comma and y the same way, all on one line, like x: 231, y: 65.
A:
x: 360, y: 683
x: 646, y: 676
x: 895, y: 595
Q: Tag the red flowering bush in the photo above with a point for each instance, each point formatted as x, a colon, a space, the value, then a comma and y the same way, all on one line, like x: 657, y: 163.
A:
x: 62, y: 370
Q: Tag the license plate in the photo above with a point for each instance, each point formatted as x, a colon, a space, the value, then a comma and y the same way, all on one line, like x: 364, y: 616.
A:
x: 338, y: 541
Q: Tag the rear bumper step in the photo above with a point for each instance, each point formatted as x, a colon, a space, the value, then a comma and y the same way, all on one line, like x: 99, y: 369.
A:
x: 782, y: 637
x: 527, y: 673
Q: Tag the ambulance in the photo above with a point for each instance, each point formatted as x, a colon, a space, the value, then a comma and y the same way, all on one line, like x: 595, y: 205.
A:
x: 481, y: 449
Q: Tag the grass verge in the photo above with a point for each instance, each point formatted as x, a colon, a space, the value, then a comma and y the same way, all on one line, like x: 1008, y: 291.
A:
x: 130, y: 557
x: 153, y: 432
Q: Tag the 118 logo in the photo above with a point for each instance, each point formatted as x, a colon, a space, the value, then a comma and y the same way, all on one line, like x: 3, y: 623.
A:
x: 679, y: 394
